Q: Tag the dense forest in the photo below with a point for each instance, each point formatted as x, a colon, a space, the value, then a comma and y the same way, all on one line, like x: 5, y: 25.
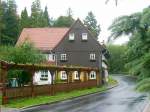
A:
x: 11, y: 24
x: 117, y: 59
x: 137, y: 53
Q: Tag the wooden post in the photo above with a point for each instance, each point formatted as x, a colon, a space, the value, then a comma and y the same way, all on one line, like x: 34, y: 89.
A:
x: 4, y: 71
x: 88, y: 77
x: 67, y: 72
x: 85, y: 76
x: 56, y: 75
x: 52, y: 77
x: 52, y: 83
x: 79, y: 73
x: 98, y: 78
x: 32, y: 85
x: 70, y: 76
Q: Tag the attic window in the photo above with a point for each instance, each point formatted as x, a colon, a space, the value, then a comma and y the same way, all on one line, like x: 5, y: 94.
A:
x: 71, y: 36
x: 84, y: 36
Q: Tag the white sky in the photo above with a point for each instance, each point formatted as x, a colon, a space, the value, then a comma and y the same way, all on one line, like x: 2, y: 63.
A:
x: 105, y: 14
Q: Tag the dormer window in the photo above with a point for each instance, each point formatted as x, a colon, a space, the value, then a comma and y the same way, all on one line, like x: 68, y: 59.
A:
x: 71, y: 36
x: 84, y: 36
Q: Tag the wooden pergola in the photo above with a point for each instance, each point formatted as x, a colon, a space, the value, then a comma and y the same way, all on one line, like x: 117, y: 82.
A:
x: 52, y: 89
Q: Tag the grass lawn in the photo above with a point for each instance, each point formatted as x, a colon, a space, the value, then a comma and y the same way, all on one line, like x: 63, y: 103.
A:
x: 25, y: 102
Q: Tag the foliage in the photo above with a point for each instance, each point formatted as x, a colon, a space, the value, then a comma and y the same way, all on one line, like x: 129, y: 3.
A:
x: 24, y: 20
x: 1, y: 20
x: 144, y: 85
x: 91, y: 23
x: 64, y: 21
x: 117, y: 59
x: 111, y: 81
x: 10, y: 20
x: 137, y: 27
x: 37, y: 19
x: 46, y: 16
x: 24, y: 53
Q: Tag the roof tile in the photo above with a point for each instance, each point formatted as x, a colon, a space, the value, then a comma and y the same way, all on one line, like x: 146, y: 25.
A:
x: 42, y: 38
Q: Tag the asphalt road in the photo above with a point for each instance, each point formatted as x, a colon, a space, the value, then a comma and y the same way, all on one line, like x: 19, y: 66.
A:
x: 122, y: 98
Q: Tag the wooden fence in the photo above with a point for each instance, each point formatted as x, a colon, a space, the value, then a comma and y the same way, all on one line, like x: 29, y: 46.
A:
x: 49, y: 89
x: 21, y: 92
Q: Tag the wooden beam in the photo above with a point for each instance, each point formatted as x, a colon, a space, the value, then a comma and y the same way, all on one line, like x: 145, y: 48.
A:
x: 4, y: 71
x: 98, y: 78
x: 45, y: 67
x: 32, y: 85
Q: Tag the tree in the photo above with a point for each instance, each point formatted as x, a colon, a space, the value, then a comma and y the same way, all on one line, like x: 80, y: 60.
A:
x: 1, y: 22
x: 46, y: 16
x: 26, y: 53
x: 24, y: 20
x: 91, y: 23
x: 38, y: 17
x: 36, y: 14
x: 64, y: 21
x: 10, y: 20
x: 137, y: 27
x: 117, y: 59
x: 69, y: 12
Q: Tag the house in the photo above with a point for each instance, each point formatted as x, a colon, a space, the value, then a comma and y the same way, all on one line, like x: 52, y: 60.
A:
x: 74, y: 46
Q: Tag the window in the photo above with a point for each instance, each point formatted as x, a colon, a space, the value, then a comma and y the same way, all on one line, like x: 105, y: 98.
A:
x: 51, y: 57
x: 71, y: 36
x: 63, y: 75
x: 84, y: 36
x: 44, y: 75
x: 63, y: 57
x: 92, y: 56
x: 92, y: 75
x: 76, y: 75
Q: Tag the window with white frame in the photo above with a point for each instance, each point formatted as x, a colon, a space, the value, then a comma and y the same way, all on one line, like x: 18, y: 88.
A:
x: 44, y: 75
x: 71, y: 36
x: 51, y: 57
x: 84, y: 36
x: 92, y: 56
x: 92, y: 75
x: 76, y: 75
x: 63, y: 57
x: 63, y: 75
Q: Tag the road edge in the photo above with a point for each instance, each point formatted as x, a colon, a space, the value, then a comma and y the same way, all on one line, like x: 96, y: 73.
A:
x: 147, y: 107
x: 34, y: 106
